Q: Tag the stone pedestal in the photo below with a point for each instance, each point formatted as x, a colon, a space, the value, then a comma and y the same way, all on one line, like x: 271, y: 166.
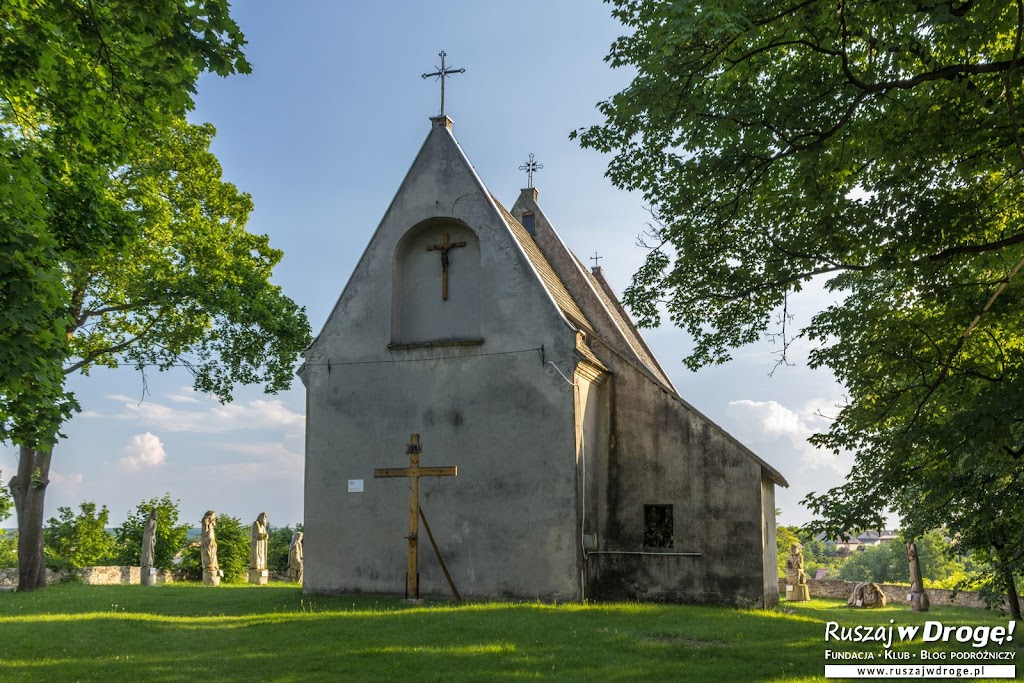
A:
x: 211, y: 578
x: 147, y: 576
x: 798, y: 593
x: 259, y: 577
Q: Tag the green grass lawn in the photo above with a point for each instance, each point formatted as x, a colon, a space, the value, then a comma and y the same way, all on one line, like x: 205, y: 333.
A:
x: 187, y: 632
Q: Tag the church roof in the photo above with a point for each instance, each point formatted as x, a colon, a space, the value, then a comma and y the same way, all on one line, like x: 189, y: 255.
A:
x: 608, y: 321
x: 624, y: 324
x: 547, y: 274
x: 578, y: 289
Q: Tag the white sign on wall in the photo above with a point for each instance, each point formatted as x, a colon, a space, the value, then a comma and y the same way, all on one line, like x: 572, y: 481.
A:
x: 355, y: 485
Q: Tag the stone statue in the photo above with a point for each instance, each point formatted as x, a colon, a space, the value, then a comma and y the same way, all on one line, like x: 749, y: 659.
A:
x: 919, y: 601
x: 868, y: 595
x: 295, y: 557
x: 149, y: 550
x: 258, y: 573
x: 208, y: 549
x: 797, y: 589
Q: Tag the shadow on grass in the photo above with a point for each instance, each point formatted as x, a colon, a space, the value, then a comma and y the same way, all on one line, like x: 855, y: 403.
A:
x: 174, y: 633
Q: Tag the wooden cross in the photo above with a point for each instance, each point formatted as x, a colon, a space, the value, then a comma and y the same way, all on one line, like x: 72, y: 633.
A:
x: 414, y: 472
x: 443, y: 248
x: 442, y: 73
x: 530, y: 167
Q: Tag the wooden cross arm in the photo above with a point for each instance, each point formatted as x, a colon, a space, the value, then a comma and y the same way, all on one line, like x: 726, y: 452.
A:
x: 415, y: 472
x: 439, y: 471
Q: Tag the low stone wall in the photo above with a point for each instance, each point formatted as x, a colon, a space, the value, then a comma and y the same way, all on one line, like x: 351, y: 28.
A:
x: 108, y: 576
x: 9, y: 577
x: 834, y: 588
x: 94, y: 576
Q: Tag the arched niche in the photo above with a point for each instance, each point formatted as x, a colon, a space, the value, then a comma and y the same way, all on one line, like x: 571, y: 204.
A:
x: 424, y: 307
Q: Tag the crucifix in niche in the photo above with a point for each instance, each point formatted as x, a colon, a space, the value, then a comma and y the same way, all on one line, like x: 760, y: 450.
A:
x: 443, y: 248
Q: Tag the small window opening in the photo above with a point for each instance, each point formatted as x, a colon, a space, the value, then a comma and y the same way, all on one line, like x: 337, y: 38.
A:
x: 528, y: 222
x: 657, y: 526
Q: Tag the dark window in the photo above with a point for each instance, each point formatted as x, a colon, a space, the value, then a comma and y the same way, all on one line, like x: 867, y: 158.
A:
x: 528, y: 222
x: 657, y: 526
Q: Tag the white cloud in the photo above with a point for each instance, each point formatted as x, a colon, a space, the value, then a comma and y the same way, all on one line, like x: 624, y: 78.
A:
x: 775, y: 421
x: 184, y: 395
x: 258, y: 461
x: 208, y: 418
x: 143, y: 451
x: 65, y: 485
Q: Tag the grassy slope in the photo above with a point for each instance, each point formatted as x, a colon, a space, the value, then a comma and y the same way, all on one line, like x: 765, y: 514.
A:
x: 273, y: 633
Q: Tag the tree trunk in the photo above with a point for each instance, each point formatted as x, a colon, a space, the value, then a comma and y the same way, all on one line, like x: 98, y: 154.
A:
x: 1010, y: 580
x: 28, y: 487
x: 1011, y: 595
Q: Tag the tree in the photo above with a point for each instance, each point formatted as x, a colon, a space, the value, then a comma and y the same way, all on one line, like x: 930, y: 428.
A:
x: 83, y: 86
x: 8, y: 550
x: 193, y: 288
x: 785, y: 537
x: 80, y: 540
x: 82, y: 83
x: 171, y: 537
x: 882, y: 563
x: 887, y: 562
x: 874, y: 147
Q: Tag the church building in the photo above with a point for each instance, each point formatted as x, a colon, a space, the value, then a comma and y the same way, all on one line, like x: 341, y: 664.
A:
x: 581, y: 472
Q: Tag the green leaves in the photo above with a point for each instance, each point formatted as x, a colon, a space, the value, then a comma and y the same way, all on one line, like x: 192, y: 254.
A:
x: 6, y: 502
x: 83, y: 86
x: 193, y: 288
x: 79, y: 540
x: 878, y: 147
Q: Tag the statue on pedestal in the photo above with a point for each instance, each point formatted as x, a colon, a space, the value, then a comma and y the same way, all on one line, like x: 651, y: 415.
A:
x: 295, y: 557
x: 208, y: 549
x: 797, y: 589
x: 149, y: 550
x: 258, y: 573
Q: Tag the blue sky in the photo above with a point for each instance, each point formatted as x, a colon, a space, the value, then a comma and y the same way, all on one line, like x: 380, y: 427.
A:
x: 321, y: 135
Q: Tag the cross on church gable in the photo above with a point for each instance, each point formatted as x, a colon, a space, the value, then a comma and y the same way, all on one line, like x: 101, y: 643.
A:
x: 442, y: 73
x: 531, y: 167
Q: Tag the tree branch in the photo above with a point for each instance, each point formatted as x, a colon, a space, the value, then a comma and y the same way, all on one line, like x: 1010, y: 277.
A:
x: 116, y: 348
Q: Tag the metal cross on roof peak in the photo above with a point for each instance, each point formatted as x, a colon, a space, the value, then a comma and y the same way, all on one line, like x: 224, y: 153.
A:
x: 530, y: 166
x: 443, y: 72
x: 595, y: 258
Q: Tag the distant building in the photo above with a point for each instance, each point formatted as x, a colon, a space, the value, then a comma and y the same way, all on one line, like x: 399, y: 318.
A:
x: 874, y: 537
x: 866, y: 539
